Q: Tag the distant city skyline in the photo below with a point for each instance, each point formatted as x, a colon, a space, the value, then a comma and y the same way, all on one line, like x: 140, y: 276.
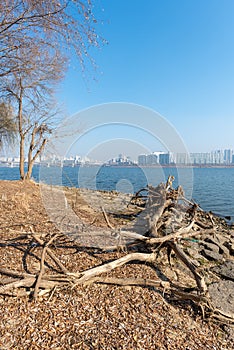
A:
x: 12, y: 154
x: 196, y: 158
x: 218, y: 157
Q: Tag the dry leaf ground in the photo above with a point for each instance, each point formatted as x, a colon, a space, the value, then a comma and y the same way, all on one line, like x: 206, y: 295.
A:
x: 92, y: 316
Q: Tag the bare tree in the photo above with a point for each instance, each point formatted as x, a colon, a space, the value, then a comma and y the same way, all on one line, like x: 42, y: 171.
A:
x: 31, y: 93
x: 67, y: 26
x: 36, y: 41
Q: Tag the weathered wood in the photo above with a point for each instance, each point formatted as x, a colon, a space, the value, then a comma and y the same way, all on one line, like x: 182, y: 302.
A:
x: 84, y: 276
x: 181, y: 255
x: 42, y: 266
x: 145, y: 282
x: 25, y: 282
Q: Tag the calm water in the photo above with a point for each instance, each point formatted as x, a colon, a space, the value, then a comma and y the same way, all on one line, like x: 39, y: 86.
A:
x: 212, y: 188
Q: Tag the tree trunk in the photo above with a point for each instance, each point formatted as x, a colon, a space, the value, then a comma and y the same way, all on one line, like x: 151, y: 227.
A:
x: 29, y: 171
x: 22, y: 175
x: 30, y: 154
x: 21, y: 133
x: 31, y: 158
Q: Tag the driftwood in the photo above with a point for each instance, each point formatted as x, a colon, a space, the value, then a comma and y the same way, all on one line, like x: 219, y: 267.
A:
x: 165, y: 223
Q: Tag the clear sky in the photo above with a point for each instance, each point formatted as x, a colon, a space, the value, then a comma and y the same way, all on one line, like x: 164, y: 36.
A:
x: 173, y: 56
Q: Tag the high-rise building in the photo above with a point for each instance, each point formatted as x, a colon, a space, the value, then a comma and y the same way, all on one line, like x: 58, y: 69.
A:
x: 217, y: 157
x: 164, y: 158
x: 200, y: 158
x: 152, y: 159
x: 228, y: 153
x: 142, y: 159
x: 182, y: 158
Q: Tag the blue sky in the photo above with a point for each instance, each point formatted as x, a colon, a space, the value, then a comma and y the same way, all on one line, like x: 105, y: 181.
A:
x: 175, y: 57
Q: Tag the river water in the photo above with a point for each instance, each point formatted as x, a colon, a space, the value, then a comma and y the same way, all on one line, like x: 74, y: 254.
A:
x: 212, y: 188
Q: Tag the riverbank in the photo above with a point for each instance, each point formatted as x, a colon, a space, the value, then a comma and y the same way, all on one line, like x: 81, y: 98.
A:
x: 212, y: 188
x: 87, y: 316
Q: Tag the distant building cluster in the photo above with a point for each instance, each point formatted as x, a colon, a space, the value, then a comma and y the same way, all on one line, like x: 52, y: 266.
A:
x: 155, y: 158
x: 218, y: 157
x: 121, y: 161
x: 9, y: 161
x: 47, y: 161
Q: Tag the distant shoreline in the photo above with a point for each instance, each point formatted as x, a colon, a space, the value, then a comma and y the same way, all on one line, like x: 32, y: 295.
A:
x: 188, y: 166
x: 215, y: 166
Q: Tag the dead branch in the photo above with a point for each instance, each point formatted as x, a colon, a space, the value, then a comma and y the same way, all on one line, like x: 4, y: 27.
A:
x: 181, y: 255
x: 25, y: 282
x: 84, y: 276
x: 40, y: 274
x: 42, y: 267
